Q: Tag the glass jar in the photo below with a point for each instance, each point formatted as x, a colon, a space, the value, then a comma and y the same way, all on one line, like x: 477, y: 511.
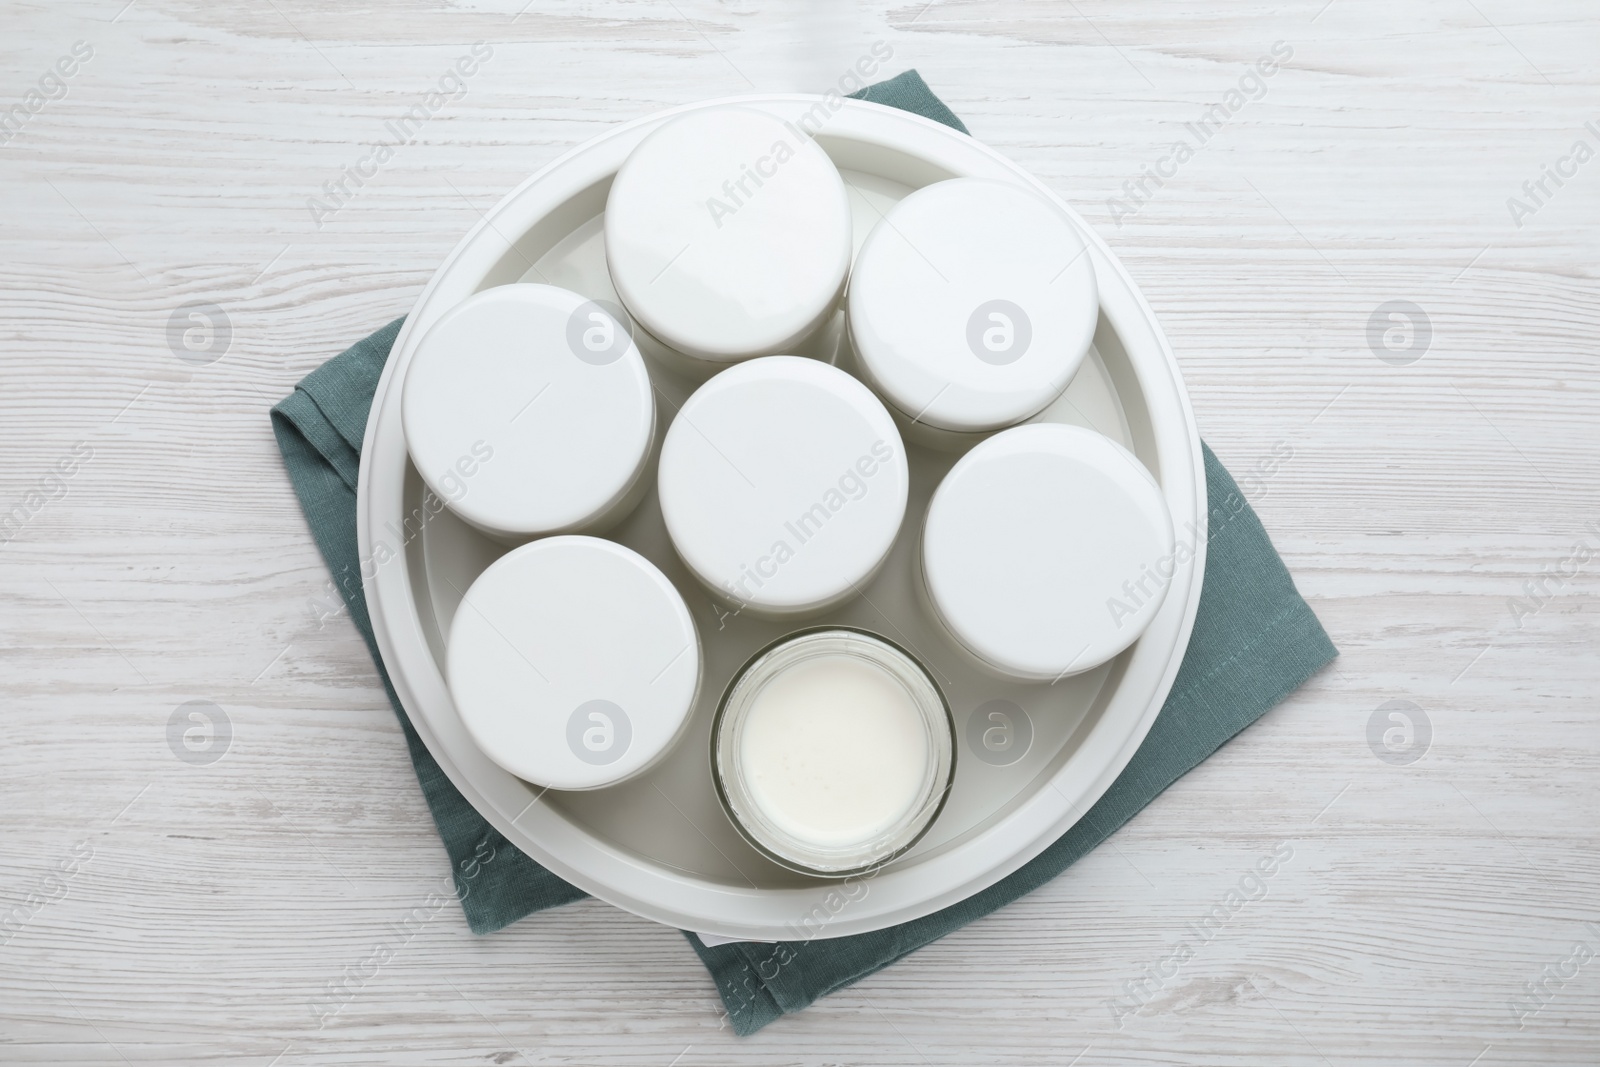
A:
x: 832, y: 751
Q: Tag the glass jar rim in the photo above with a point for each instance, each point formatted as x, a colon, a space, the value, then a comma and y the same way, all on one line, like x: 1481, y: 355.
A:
x: 746, y: 814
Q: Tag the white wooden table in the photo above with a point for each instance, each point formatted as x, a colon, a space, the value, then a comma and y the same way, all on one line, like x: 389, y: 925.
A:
x: 163, y: 911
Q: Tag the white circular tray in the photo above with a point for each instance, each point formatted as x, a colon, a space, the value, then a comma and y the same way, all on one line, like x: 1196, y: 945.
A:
x: 660, y: 845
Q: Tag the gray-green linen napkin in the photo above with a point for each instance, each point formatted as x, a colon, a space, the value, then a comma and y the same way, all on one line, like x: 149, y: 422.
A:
x: 1255, y: 641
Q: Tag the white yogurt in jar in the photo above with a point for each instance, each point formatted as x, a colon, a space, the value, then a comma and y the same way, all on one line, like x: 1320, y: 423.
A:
x: 1047, y: 550
x: 833, y: 751
x: 972, y: 304
x: 528, y: 411
x: 728, y: 236
x: 783, y: 484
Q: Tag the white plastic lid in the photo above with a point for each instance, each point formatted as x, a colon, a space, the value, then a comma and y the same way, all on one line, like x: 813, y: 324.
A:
x: 573, y: 662
x: 528, y: 410
x: 1047, y: 550
x: 972, y: 304
x: 783, y: 483
x: 728, y: 234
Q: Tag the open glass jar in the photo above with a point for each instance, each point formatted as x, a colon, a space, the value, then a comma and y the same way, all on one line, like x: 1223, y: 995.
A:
x: 833, y: 751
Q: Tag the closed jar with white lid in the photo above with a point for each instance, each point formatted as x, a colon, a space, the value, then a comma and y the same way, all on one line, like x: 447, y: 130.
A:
x: 1047, y: 550
x: 728, y: 236
x: 528, y: 410
x: 783, y: 484
x: 573, y: 662
x: 971, y: 306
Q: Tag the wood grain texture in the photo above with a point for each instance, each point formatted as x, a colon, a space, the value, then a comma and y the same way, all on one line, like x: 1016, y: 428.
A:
x: 219, y: 901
